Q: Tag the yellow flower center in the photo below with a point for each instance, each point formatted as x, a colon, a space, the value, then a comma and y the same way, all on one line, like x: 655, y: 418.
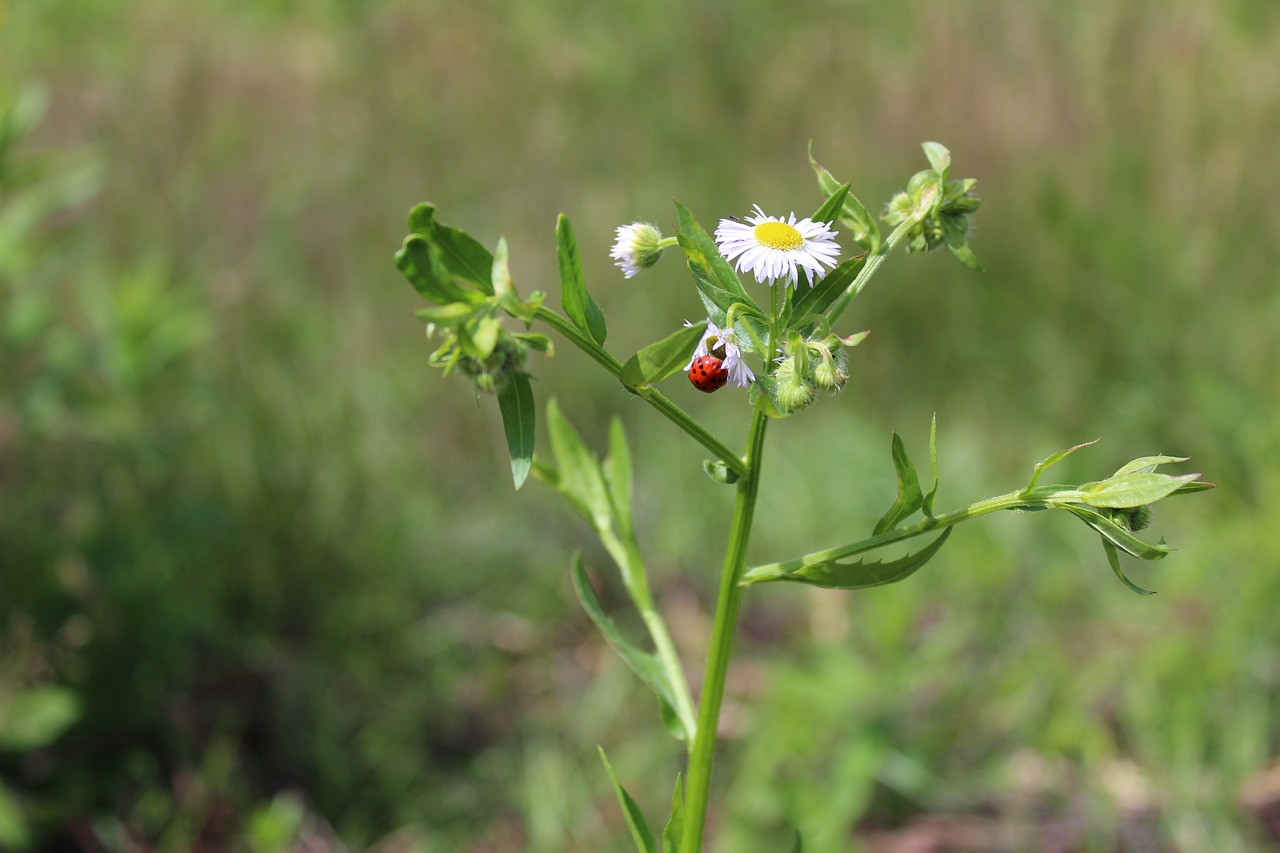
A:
x: 778, y: 235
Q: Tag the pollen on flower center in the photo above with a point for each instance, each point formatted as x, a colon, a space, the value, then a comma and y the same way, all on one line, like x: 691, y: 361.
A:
x: 778, y: 235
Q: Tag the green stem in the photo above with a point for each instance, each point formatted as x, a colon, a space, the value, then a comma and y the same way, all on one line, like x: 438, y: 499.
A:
x: 648, y: 393
x: 729, y: 601
x: 869, y: 268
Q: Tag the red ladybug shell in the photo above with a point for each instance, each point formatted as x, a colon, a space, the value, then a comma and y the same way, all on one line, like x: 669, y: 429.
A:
x: 707, y: 373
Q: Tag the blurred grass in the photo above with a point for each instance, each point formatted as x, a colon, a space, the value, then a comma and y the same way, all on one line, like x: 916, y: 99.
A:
x: 270, y: 550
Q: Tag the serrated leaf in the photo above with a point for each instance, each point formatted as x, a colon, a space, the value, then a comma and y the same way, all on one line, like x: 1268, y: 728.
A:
x: 1126, y: 491
x: 1113, y: 558
x: 617, y: 476
x: 578, y: 305
x: 658, y: 361
x: 702, y: 251
x: 818, y: 298
x: 854, y: 217
x: 833, y: 574
x: 1053, y: 459
x: 635, y: 818
x: 581, y: 480
x: 515, y: 401
x: 675, y: 823
x: 1121, y: 537
x: 37, y: 716
x: 1147, y: 464
x: 644, y: 664
x: 926, y: 506
x: 910, y: 498
x: 833, y: 206
x: 939, y: 157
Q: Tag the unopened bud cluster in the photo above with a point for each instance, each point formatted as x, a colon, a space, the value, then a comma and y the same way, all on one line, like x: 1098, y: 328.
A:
x: 948, y: 205
x: 807, y: 367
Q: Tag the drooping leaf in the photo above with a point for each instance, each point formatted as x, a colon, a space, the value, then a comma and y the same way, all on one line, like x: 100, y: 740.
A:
x: 1125, y: 491
x: 460, y: 253
x: 833, y: 574
x: 1053, y: 459
x: 910, y: 498
x: 854, y: 217
x: 1117, y: 534
x: 1113, y: 558
x: 818, y: 298
x: 956, y: 231
x: 581, y: 480
x: 675, y: 823
x: 426, y: 272
x: 658, y: 361
x: 578, y: 305
x: 644, y: 664
x: 640, y: 833
x: 617, y: 476
x: 515, y: 401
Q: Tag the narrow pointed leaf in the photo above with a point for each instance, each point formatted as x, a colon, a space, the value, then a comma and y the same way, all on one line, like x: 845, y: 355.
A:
x: 1195, y: 486
x: 500, y: 274
x: 644, y: 664
x: 702, y: 251
x: 1118, y: 535
x: 1147, y: 464
x: 818, y: 298
x: 617, y: 476
x: 833, y: 574
x: 658, y: 361
x: 926, y: 506
x: 1113, y: 558
x: 640, y: 833
x: 833, y: 206
x: 581, y: 480
x: 675, y: 823
x: 1053, y: 459
x: 854, y: 217
x: 574, y: 298
x: 910, y: 498
x: 1131, y: 490
x: 515, y: 400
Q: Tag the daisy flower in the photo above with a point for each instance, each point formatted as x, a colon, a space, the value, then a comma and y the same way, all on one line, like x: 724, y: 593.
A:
x: 722, y: 344
x: 639, y: 246
x: 774, y: 249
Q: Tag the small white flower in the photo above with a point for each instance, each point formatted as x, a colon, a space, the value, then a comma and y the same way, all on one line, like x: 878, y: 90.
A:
x: 638, y: 247
x: 722, y: 344
x: 774, y: 249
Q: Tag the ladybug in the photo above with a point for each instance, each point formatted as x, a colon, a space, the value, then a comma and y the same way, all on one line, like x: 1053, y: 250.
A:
x: 708, y: 373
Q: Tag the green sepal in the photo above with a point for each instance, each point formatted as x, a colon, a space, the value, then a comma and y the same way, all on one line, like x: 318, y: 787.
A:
x: 833, y: 206
x: 675, y: 823
x: 926, y: 506
x: 644, y: 664
x: 635, y: 819
x: 955, y: 229
x: 1118, y: 535
x: 939, y: 157
x: 818, y: 298
x: 658, y: 361
x: 1113, y: 559
x: 854, y: 217
x: 515, y: 400
x: 578, y: 305
x: 1053, y: 459
x: 910, y: 498
x: 833, y: 574
x: 1125, y: 491
x: 617, y: 476
x: 581, y: 481
x: 701, y: 251
x: 720, y: 472
x: 461, y: 254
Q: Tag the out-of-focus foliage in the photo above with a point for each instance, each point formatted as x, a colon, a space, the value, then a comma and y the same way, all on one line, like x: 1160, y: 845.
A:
x: 262, y: 570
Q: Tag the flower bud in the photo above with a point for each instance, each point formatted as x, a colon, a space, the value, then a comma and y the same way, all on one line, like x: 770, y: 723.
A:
x: 638, y: 247
x: 792, y: 389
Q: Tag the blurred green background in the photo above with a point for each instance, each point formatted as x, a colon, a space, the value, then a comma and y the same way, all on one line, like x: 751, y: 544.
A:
x: 264, y: 581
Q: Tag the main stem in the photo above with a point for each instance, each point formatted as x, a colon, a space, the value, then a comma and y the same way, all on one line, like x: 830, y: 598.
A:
x: 728, y: 603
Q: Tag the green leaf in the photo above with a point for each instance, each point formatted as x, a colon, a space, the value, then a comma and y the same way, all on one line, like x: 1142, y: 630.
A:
x: 36, y: 717
x: 910, y: 498
x: 939, y: 157
x: 1196, y: 486
x: 956, y: 231
x: 832, y: 574
x: 818, y: 298
x: 1117, y: 534
x: 926, y: 507
x: 720, y: 472
x: 515, y: 400
x: 14, y: 833
x: 760, y: 395
x: 833, y: 206
x: 658, y: 361
x: 500, y: 273
x: 448, y: 315
x: 702, y: 251
x: 574, y: 298
x: 617, y: 476
x: 1113, y: 558
x: 426, y: 272
x: 798, y: 847
x: 1147, y: 464
x: 1053, y: 459
x: 460, y: 253
x: 581, y: 480
x: 675, y: 824
x: 854, y: 217
x: 635, y: 819
x: 1131, y: 490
